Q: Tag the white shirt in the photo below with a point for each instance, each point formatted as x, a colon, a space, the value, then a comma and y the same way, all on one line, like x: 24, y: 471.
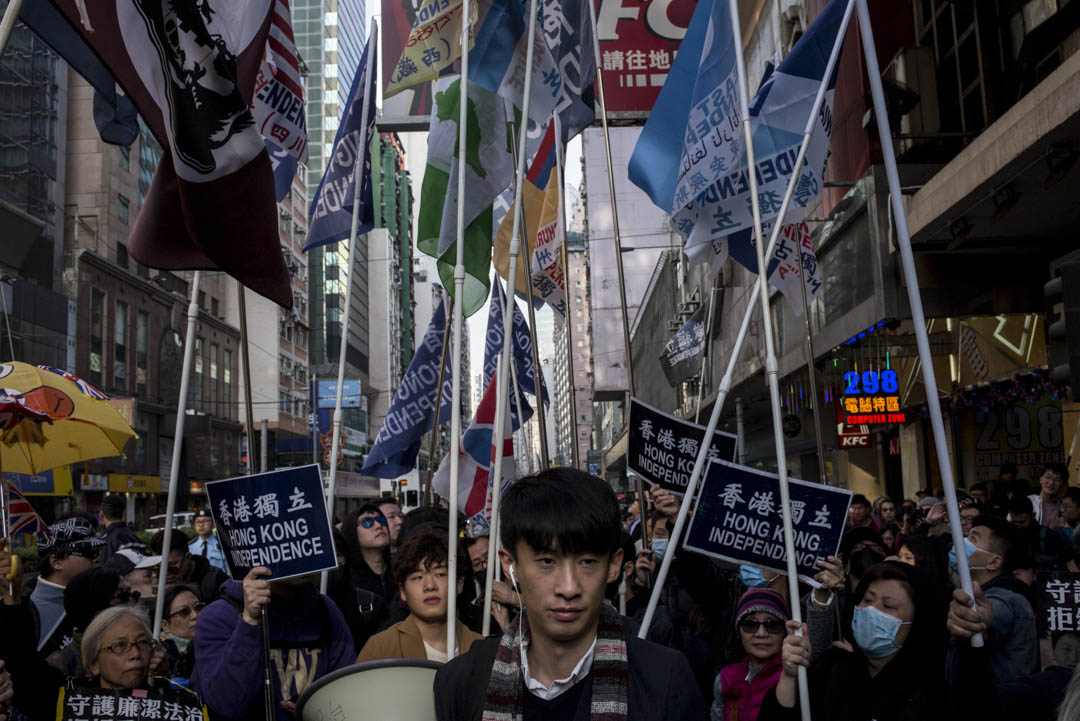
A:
x: 562, y: 685
x: 434, y: 654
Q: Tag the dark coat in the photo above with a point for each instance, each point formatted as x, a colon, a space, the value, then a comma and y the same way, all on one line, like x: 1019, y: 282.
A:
x: 119, y: 536
x: 660, y: 685
x: 365, y: 597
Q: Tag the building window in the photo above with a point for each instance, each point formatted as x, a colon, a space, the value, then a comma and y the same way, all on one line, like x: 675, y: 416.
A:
x: 142, y: 344
x: 125, y: 158
x: 97, y: 333
x: 120, y: 346
x: 215, y: 308
x: 122, y: 208
x: 197, y: 382
x: 121, y: 255
x: 202, y: 300
x: 214, y: 376
x: 227, y: 376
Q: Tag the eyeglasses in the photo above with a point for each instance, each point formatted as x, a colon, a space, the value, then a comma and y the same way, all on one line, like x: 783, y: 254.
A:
x: 773, y: 626
x: 121, y: 647
x: 372, y: 520
x: 186, y: 611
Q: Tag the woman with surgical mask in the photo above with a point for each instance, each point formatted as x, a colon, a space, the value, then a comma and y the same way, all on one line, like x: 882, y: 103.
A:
x: 892, y: 666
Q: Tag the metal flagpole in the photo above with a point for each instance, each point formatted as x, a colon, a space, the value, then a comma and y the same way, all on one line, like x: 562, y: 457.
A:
x: 315, y: 419
x: 433, y: 443
x: 503, y: 368
x: 358, y: 173
x: 640, y: 489
x: 918, y: 319
x: 705, y: 356
x: 818, y: 407
x: 725, y: 383
x: 245, y: 360
x: 7, y: 25
x: 178, y: 442
x: 564, y: 260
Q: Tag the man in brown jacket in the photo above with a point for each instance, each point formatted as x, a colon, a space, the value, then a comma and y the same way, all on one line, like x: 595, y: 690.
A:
x: 420, y: 570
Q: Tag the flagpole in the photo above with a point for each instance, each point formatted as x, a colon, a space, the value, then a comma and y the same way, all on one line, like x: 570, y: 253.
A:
x: 705, y: 364
x: 245, y: 361
x: 726, y: 382
x: 818, y: 407
x: 639, y: 487
x: 178, y: 445
x: 564, y: 260
x: 429, y: 496
x: 918, y: 319
x: 502, y: 369
x: 7, y: 25
x: 358, y: 181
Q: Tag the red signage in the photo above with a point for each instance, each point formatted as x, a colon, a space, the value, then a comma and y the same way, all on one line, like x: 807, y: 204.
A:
x: 638, y: 42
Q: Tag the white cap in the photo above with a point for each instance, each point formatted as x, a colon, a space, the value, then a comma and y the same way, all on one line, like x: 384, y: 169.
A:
x: 138, y: 559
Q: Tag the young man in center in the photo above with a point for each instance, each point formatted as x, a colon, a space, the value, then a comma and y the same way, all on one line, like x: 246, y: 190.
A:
x: 569, y: 656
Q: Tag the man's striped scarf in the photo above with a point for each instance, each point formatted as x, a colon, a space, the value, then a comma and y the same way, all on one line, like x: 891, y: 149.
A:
x: 506, y: 688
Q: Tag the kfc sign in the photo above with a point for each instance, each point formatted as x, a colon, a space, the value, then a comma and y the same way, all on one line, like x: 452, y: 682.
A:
x: 853, y: 436
x: 638, y: 42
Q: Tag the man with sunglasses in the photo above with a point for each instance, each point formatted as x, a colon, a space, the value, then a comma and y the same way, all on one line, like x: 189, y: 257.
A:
x: 371, y: 587
x: 71, y: 549
x: 188, y: 568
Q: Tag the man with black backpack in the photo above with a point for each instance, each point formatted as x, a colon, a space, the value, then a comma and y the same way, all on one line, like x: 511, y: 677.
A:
x: 308, y: 639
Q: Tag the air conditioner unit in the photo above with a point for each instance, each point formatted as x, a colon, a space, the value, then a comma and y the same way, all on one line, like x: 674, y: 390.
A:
x: 914, y: 69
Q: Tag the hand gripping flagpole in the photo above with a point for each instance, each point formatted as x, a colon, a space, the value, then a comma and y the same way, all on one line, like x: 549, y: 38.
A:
x: 503, y: 367
x: 178, y: 445
x: 918, y: 319
x: 358, y: 180
x: 726, y: 381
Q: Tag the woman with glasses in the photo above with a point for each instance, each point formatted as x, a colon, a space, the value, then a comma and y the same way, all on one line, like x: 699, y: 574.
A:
x: 182, y: 607
x: 365, y: 600
x: 740, y: 688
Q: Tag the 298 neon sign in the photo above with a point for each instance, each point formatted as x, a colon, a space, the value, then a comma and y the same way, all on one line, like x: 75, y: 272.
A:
x: 873, y: 382
x: 871, y: 398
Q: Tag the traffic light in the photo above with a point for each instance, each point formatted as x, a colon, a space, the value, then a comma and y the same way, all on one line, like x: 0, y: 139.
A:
x: 1064, y: 331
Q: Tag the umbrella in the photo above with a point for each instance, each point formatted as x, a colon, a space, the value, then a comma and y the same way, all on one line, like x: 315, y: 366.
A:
x: 71, y: 421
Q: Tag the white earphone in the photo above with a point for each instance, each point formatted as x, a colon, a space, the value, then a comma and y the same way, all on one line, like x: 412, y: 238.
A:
x: 513, y: 578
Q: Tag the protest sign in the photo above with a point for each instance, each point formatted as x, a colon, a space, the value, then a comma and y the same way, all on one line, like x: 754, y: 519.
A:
x: 662, y: 449
x: 161, y: 702
x: 738, y: 519
x: 276, y: 519
x: 1059, y: 602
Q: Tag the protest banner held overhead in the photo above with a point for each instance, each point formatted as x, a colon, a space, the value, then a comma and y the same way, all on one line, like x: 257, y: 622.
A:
x: 738, y: 519
x: 276, y: 519
x: 662, y: 448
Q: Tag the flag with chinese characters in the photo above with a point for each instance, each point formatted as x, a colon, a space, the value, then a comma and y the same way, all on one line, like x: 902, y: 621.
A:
x: 189, y: 68
x: 488, y: 169
x: 278, y: 104
x: 433, y: 45
x: 568, y: 30
x: 681, y: 358
x: 540, y: 205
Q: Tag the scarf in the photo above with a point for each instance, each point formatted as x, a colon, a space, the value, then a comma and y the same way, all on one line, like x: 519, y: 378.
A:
x: 181, y: 643
x: 609, y: 672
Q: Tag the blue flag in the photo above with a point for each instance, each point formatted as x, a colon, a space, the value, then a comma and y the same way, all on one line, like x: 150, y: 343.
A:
x: 331, y: 213
x: 409, y: 418
x: 521, y: 350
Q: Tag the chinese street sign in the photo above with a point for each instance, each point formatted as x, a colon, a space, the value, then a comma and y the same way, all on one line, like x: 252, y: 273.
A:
x: 662, y: 449
x: 738, y: 519
x: 276, y: 519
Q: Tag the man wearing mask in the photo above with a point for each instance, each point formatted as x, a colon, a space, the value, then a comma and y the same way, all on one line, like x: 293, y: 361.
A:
x: 206, y: 543
x: 569, y: 655
x: 117, y: 533
x: 1011, y: 639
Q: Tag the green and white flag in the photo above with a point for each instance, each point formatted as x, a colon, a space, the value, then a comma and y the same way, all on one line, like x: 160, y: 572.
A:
x: 488, y: 172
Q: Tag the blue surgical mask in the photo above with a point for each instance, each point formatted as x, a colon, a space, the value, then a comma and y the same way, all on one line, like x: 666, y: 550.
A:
x: 659, y: 547
x: 752, y: 577
x: 969, y: 550
x: 875, y: 631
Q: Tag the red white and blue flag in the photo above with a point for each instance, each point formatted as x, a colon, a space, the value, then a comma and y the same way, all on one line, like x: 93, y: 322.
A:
x: 278, y: 104
x: 24, y: 519
x: 476, y: 456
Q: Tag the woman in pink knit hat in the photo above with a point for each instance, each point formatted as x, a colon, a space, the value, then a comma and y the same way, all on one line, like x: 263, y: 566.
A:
x: 739, y: 688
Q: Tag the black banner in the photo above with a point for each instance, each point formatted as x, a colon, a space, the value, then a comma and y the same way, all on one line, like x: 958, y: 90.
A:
x: 662, y: 449
x: 681, y: 357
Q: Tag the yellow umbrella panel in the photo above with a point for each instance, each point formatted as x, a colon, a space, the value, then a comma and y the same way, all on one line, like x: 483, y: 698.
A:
x: 82, y: 425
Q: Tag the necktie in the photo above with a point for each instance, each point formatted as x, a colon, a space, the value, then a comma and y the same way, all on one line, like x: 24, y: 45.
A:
x: 204, y: 545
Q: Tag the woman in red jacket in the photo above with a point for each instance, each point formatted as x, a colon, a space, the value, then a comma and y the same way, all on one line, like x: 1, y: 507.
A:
x: 740, y: 687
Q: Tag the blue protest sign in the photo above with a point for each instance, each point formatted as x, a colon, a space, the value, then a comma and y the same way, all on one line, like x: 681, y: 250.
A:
x: 276, y: 519
x: 662, y: 449
x: 738, y: 519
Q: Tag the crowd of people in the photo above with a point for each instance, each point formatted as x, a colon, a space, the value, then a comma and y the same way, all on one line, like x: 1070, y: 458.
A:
x: 886, y: 632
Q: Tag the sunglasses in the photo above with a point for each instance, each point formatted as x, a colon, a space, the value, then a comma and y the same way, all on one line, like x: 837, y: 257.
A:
x: 773, y: 626
x: 372, y: 520
x: 187, y: 611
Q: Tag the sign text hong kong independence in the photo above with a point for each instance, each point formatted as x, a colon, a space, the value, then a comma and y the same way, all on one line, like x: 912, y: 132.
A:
x: 738, y: 519
x: 276, y: 519
x: 662, y: 449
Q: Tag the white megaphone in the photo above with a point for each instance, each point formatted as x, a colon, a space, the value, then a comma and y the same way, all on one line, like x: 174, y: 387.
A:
x: 366, y: 691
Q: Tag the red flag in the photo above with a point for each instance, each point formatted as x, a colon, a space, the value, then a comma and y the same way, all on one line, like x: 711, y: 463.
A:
x: 190, y: 69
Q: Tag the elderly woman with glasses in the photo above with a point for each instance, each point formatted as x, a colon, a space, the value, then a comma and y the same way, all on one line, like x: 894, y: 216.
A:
x: 118, y: 648
x: 741, y: 687
x: 182, y: 607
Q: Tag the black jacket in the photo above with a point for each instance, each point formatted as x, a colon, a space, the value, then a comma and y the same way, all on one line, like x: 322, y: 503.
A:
x: 206, y: 579
x: 364, y: 596
x: 119, y: 536
x: 660, y: 685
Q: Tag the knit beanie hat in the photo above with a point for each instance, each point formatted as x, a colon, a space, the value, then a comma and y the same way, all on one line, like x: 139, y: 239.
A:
x: 762, y: 600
